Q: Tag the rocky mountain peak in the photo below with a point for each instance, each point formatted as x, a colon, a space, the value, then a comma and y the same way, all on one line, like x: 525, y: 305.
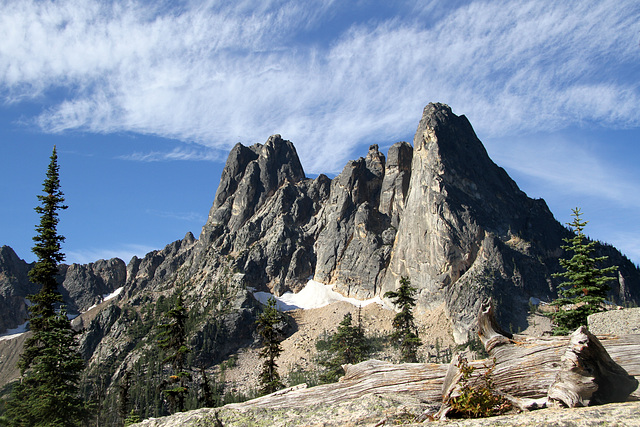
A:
x: 440, y: 212
x: 395, y: 183
x: 375, y: 161
x: 250, y: 176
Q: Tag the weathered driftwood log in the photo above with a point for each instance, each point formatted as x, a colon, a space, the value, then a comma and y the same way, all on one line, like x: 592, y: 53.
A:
x: 527, y: 367
x: 589, y: 375
x: 373, y: 376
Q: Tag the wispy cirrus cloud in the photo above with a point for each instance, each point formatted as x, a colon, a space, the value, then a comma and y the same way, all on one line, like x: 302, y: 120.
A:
x: 124, y: 252
x: 567, y: 168
x: 216, y: 74
x: 179, y: 153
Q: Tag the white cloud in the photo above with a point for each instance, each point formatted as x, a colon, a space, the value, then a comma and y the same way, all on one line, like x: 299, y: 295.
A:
x: 125, y: 253
x: 568, y: 167
x: 216, y: 74
x: 178, y: 153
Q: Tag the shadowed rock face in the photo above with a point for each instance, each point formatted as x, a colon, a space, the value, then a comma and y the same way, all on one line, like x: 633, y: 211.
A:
x: 440, y: 212
x: 14, y: 287
x: 80, y: 285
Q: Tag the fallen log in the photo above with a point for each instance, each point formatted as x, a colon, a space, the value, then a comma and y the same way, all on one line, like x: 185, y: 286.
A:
x: 421, y: 380
x: 527, y: 371
x: 579, y: 367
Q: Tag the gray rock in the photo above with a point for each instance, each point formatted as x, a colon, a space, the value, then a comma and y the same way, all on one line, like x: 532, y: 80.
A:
x: 386, y: 409
x: 441, y: 213
x: 85, y: 285
x: 14, y: 288
x: 395, y: 184
x: 615, y: 322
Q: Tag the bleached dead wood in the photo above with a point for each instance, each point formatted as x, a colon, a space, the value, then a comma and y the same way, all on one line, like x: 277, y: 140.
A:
x: 526, y: 367
x: 424, y: 381
x: 589, y: 375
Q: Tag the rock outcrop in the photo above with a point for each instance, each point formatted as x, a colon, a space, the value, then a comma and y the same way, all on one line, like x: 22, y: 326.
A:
x: 440, y: 212
x: 467, y: 231
x: 615, y: 322
x: 86, y: 284
x: 80, y: 285
x: 14, y: 287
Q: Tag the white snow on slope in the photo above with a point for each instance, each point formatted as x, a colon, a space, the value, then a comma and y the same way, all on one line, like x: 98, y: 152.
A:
x: 14, y: 333
x: 112, y: 295
x: 107, y: 297
x: 314, y: 295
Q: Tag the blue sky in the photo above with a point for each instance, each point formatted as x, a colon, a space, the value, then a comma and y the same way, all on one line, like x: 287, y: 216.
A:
x: 144, y: 100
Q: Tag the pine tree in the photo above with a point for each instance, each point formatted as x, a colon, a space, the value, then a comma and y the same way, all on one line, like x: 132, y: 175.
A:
x: 271, y: 339
x: 173, y: 338
x: 208, y: 393
x: 48, y: 392
x: 132, y: 418
x: 125, y: 387
x: 405, y: 332
x: 347, y: 345
x: 585, y: 287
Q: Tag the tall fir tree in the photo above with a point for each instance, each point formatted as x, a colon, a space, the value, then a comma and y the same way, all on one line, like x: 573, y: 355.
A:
x: 405, y: 333
x: 173, y: 339
x: 124, y: 388
x: 267, y: 324
x: 48, y: 392
x: 347, y: 345
x: 585, y: 286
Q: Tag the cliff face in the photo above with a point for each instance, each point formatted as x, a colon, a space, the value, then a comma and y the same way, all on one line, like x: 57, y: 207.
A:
x: 80, y: 285
x: 440, y: 212
x: 467, y: 231
x: 14, y: 287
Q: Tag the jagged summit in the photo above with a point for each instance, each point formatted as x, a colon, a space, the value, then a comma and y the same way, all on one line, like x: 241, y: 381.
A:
x: 250, y: 176
x: 440, y: 211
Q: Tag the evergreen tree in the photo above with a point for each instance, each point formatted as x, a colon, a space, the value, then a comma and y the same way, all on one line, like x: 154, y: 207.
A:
x: 271, y: 338
x: 125, y: 387
x: 132, y: 418
x: 347, y: 345
x: 173, y: 338
x: 48, y: 392
x: 585, y: 287
x: 405, y: 332
x: 208, y: 393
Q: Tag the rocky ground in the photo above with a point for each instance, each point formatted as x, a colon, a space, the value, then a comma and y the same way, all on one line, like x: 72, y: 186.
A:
x: 615, y: 322
x: 386, y: 410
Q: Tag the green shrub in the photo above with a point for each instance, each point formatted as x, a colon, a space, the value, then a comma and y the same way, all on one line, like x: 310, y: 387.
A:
x: 477, y: 398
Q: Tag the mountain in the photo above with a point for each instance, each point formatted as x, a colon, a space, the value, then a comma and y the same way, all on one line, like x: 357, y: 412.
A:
x: 438, y: 211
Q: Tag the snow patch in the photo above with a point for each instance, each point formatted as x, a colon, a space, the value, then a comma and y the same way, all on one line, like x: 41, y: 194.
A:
x: 107, y: 297
x: 314, y: 295
x: 14, y: 333
x: 113, y: 294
